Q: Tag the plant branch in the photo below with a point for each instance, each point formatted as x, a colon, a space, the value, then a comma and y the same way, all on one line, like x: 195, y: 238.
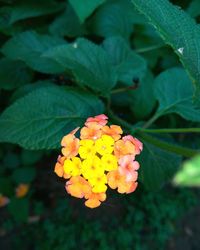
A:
x: 187, y: 152
x: 170, y: 130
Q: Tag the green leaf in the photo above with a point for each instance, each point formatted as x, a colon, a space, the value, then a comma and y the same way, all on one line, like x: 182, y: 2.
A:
x: 26, y: 9
x: 157, y: 166
x: 13, y: 74
x: 189, y: 174
x: 85, y: 8
x: 40, y: 119
x: 194, y: 8
x: 19, y: 209
x: 173, y: 90
x: 26, y: 89
x: 128, y: 64
x: 28, y: 47
x: 168, y: 146
x: 178, y: 30
x: 142, y: 100
x: 88, y: 62
x: 114, y: 18
x: 67, y: 24
x: 24, y: 175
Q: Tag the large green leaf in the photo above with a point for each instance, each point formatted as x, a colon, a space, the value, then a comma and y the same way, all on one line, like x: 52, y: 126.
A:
x: 173, y: 90
x: 40, y: 119
x: 67, y: 24
x: 157, y: 166
x: 85, y: 8
x: 26, y: 9
x: 114, y: 18
x: 28, y: 47
x: 28, y: 88
x: 13, y: 74
x: 142, y: 100
x: 189, y: 174
x: 128, y: 64
x: 178, y: 30
x: 88, y: 62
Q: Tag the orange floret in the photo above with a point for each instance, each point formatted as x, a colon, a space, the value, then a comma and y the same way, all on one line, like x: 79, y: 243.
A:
x: 128, y: 167
x: 4, y: 200
x: 59, y: 167
x: 99, y: 119
x: 114, y: 131
x: 116, y: 180
x: 123, y: 148
x: 78, y: 187
x: 70, y: 144
x: 138, y: 144
x: 94, y: 199
x: 21, y: 190
x: 92, y: 131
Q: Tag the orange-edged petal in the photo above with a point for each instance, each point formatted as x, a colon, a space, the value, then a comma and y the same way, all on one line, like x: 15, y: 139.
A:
x: 92, y: 132
x: 78, y: 187
x: 95, y: 199
x: 92, y: 203
x: 128, y: 167
x: 138, y: 144
x: 100, y: 119
x: 123, y: 148
x: 113, y: 178
x: 71, y: 148
x: 132, y: 187
x: 114, y: 131
x: 59, y: 170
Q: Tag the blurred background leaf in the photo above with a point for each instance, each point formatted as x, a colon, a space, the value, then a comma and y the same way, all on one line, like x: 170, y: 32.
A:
x: 189, y: 174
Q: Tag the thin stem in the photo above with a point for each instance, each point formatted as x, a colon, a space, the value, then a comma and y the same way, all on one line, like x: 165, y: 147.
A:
x: 187, y: 152
x: 150, y: 48
x: 152, y: 120
x: 116, y: 91
x: 170, y: 130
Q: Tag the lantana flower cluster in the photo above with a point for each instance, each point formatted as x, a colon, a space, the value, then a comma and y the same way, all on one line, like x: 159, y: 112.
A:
x: 101, y: 158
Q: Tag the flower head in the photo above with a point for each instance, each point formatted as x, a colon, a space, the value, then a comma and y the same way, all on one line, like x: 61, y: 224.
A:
x: 4, y: 200
x: 101, y: 158
x: 21, y: 190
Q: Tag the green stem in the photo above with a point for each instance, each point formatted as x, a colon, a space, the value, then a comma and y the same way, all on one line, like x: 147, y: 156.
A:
x: 116, y: 91
x: 150, y: 48
x: 170, y: 130
x: 152, y: 120
x: 187, y: 152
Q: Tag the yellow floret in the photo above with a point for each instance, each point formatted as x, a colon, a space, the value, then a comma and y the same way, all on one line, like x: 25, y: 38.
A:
x: 91, y: 167
x: 98, y: 183
x: 104, y: 145
x: 86, y: 149
x: 73, y: 166
x: 109, y: 162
